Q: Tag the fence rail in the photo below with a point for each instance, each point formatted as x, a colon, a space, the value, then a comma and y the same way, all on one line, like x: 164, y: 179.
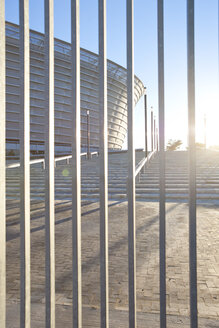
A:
x: 25, y: 284
x: 2, y: 168
x: 49, y: 163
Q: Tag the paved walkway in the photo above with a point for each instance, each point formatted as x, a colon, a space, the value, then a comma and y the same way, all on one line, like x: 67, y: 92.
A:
x: 147, y: 265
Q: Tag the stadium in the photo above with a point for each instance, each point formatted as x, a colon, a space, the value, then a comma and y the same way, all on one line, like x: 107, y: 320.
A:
x: 116, y: 88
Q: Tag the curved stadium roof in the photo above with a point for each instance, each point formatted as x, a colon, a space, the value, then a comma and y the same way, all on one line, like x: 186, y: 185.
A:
x: 116, y: 88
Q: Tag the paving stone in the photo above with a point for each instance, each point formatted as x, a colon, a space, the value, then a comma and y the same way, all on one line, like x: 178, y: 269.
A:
x: 147, y: 230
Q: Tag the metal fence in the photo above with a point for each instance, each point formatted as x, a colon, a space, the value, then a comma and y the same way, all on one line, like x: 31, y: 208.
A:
x: 25, y: 305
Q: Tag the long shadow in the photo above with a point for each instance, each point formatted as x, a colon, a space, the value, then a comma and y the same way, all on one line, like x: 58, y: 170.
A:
x: 11, y: 236
x: 61, y: 207
x: 94, y: 260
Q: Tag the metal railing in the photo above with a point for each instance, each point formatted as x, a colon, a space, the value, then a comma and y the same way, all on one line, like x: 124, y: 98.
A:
x: 57, y: 159
x: 143, y: 162
x: 25, y: 285
x: 140, y: 166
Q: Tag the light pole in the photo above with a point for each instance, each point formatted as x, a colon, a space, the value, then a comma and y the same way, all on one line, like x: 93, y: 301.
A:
x: 154, y: 132
x: 152, y: 123
x: 205, y: 142
x: 146, y: 124
x: 88, y: 134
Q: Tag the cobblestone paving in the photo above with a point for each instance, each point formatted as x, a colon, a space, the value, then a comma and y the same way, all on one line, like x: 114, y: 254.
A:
x: 118, y: 318
x: 147, y: 264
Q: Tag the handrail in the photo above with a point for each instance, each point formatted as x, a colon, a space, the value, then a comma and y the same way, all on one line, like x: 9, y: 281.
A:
x: 142, y: 163
x: 42, y: 160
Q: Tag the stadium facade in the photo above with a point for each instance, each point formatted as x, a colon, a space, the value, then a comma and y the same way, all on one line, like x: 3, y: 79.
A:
x: 116, y: 87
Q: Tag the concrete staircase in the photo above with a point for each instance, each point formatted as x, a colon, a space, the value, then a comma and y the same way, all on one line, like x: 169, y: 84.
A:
x: 147, y: 184
x: 118, y: 165
x: 176, y: 175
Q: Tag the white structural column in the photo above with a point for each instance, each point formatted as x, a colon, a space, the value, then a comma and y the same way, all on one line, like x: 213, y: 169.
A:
x: 24, y: 164
x: 2, y: 167
x: 131, y: 167
x: 49, y: 164
x: 162, y: 210
x: 76, y: 163
x: 192, y: 163
x: 103, y: 158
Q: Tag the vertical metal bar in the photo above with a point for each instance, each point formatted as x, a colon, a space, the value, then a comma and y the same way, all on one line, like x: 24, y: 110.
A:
x: 162, y: 211
x: 76, y: 170
x: 146, y: 122
x: 24, y: 164
x: 192, y: 163
x: 88, y: 134
x: 2, y: 168
x: 131, y: 166
x: 49, y: 164
x: 152, y: 132
x: 103, y: 151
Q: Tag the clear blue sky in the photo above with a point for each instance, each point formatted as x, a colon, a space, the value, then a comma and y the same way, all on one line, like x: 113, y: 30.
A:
x: 145, y: 27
